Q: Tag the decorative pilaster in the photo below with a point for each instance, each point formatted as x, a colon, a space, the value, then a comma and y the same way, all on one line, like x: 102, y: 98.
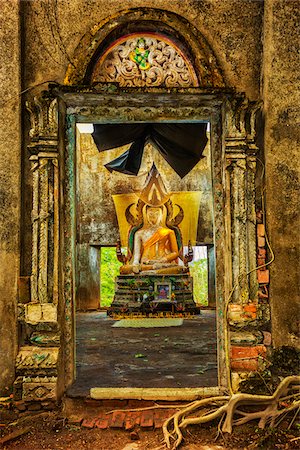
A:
x: 240, y: 151
x: 248, y: 349
x: 45, y: 220
x: 37, y: 363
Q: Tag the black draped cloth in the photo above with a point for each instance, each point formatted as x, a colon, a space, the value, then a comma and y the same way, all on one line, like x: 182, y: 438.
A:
x: 181, y: 144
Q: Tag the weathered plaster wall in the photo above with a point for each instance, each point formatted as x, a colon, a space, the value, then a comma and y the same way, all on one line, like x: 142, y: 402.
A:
x: 9, y: 187
x: 232, y: 27
x: 282, y: 140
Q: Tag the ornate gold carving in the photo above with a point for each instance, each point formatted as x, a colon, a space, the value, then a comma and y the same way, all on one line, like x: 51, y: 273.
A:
x: 145, y: 61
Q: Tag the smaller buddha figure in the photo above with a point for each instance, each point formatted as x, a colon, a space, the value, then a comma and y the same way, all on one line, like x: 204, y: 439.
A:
x: 140, y: 55
x: 154, y: 243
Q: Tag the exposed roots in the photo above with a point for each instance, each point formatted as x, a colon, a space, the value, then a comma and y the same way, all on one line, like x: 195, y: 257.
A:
x: 236, y: 409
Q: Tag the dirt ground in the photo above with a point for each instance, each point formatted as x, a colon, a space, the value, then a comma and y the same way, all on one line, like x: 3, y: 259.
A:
x: 51, y: 431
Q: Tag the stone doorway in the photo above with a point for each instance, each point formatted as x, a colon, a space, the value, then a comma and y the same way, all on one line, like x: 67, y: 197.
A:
x: 52, y: 309
x: 45, y: 364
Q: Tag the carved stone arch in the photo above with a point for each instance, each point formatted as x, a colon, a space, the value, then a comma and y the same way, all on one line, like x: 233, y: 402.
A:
x: 168, y: 25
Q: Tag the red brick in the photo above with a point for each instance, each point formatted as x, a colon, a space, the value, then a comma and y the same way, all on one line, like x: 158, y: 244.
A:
x: 250, y: 310
x: 114, y: 403
x: 259, y: 216
x: 251, y: 307
x: 131, y: 420
x: 146, y: 419
x: 261, y: 241
x: 159, y: 418
x: 260, y: 230
x: 247, y: 365
x: 88, y: 423
x: 102, y: 421
x: 246, y: 358
x: 92, y: 402
x: 261, y: 261
x: 161, y: 415
x: 117, y: 419
x: 261, y: 252
x: 263, y: 276
x: 140, y: 403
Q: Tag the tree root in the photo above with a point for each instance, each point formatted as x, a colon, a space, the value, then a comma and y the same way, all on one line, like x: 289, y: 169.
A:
x: 264, y: 408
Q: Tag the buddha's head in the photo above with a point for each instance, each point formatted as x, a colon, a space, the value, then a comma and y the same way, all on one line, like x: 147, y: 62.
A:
x: 154, y: 215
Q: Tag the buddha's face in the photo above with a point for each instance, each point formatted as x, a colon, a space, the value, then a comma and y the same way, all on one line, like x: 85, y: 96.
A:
x: 154, y: 216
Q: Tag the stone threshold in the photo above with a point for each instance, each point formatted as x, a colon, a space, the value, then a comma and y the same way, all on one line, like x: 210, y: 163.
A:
x: 166, y: 394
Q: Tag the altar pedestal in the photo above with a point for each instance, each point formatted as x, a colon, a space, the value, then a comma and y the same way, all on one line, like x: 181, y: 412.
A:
x: 150, y: 294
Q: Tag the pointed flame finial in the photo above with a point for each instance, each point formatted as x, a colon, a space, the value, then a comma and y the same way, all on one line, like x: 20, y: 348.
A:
x: 154, y: 192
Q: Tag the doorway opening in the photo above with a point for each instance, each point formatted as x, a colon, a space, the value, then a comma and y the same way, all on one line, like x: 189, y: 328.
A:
x: 165, y: 356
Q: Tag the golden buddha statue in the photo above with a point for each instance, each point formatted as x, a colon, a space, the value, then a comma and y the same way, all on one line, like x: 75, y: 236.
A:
x: 154, y: 241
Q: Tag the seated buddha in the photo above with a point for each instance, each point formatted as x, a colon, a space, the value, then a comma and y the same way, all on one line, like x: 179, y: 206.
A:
x: 154, y: 244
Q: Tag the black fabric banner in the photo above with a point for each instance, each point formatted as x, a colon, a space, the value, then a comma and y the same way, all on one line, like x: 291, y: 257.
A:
x: 181, y: 144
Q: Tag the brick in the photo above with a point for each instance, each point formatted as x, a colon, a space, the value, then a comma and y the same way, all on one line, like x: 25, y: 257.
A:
x: 246, y: 358
x: 261, y: 241
x: 103, y: 421
x: 261, y: 252
x: 114, y: 403
x: 263, y: 276
x: 146, y: 419
x: 131, y: 420
x: 117, y: 419
x: 161, y: 415
x: 267, y: 338
x: 93, y: 402
x: 259, y: 216
x: 260, y: 230
x: 250, y: 310
x: 251, y: 307
x: 20, y: 405
x: 140, y: 403
x: 159, y: 419
x: 261, y: 261
x: 88, y: 423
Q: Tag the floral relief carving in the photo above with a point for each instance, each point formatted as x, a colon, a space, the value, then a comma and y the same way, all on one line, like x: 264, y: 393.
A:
x: 145, y: 61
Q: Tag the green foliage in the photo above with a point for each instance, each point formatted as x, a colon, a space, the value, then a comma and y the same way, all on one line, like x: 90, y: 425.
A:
x: 198, y: 270
x: 110, y: 267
